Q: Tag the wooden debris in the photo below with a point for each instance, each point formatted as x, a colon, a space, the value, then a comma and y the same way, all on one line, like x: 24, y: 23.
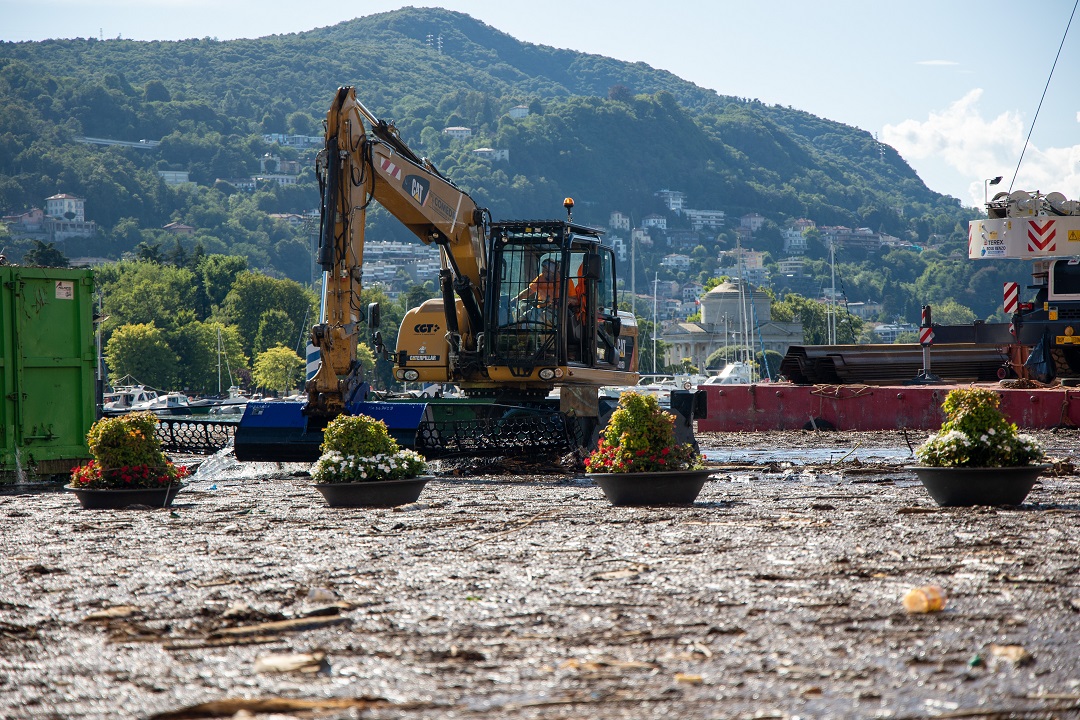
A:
x: 620, y: 574
x: 292, y: 662
x: 111, y: 613
x: 1016, y: 654
x: 231, y: 706
x: 280, y: 626
x: 592, y: 666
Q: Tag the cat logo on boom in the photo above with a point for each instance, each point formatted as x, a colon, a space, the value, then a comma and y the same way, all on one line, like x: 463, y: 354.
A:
x: 417, y: 187
x: 426, y: 328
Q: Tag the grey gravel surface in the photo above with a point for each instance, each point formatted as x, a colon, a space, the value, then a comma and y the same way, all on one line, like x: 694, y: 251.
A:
x: 526, y: 594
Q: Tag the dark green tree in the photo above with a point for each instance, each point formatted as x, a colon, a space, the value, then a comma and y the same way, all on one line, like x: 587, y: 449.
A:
x: 275, y: 328
x: 146, y: 293
x: 141, y: 351
x: 45, y: 255
x: 252, y: 294
x: 208, y: 356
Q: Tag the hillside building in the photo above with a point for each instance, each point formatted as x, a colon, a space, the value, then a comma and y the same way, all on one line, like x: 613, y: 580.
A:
x: 59, y: 206
x: 31, y: 221
x: 65, y: 217
x: 492, y: 154
x: 676, y: 262
x: 673, y: 199
x: 683, y: 240
x: 174, y: 177
x: 702, y: 219
x: 654, y: 221
x: 619, y: 221
x: 178, y: 228
x: 752, y: 222
x: 296, y: 141
x: 794, y: 241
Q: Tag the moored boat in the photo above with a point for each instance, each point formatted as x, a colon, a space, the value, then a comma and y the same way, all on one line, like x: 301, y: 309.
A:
x: 124, y: 397
x: 173, y: 403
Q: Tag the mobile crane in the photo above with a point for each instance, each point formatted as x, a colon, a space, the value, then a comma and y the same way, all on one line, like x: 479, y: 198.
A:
x: 483, y: 332
x: 1044, y: 228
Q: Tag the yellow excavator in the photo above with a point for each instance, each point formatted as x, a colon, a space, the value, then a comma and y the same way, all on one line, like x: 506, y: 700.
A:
x: 526, y: 323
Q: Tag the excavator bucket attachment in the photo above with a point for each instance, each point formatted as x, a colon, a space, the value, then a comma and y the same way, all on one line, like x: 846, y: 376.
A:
x: 281, y: 432
x: 486, y: 429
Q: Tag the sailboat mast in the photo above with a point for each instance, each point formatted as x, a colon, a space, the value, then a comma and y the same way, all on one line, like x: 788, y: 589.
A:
x: 656, y: 282
x: 219, y: 361
x: 831, y: 305
x: 744, y: 321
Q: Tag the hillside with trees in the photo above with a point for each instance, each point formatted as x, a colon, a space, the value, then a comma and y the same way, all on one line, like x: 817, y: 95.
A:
x: 606, y: 132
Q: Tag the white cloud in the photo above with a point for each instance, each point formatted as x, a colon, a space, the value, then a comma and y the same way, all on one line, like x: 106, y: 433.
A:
x: 977, y: 147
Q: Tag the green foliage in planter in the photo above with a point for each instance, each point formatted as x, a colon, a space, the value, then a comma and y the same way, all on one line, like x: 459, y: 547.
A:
x: 358, y: 435
x: 357, y: 448
x: 976, y: 434
x: 127, y: 454
x: 640, y: 437
x: 126, y: 440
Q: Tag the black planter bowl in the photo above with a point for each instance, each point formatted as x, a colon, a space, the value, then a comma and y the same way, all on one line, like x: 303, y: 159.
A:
x: 112, y: 499
x: 376, y: 494
x: 968, y: 486
x: 669, y: 487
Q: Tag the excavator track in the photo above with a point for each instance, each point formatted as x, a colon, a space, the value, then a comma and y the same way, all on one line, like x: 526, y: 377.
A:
x: 507, y: 435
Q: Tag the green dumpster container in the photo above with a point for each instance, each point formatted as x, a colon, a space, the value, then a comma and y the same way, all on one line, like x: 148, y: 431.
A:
x: 47, y: 370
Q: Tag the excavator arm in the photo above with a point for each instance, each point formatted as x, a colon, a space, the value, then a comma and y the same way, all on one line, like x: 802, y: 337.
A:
x: 364, y: 159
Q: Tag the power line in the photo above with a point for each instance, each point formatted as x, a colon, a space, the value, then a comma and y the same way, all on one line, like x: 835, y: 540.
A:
x: 1045, y: 88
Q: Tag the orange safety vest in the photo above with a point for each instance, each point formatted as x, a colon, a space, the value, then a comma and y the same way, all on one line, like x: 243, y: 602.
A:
x: 546, y: 291
x: 577, y: 296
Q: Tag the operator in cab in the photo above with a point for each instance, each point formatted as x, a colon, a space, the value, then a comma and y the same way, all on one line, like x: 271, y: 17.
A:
x: 541, y: 296
x: 544, y: 288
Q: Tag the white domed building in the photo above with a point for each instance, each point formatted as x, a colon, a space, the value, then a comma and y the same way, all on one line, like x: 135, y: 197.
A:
x: 722, y: 323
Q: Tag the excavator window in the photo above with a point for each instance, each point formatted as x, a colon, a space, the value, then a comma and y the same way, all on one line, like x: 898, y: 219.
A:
x: 530, y: 283
x: 607, y: 312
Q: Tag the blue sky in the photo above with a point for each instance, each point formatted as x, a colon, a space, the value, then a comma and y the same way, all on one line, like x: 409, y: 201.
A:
x: 952, y: 85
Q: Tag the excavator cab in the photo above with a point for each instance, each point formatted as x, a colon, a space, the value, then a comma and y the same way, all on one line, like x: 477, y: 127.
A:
x: 551, y: 301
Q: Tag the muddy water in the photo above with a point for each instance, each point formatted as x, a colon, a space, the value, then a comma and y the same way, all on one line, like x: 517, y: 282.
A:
x: 777, y: 594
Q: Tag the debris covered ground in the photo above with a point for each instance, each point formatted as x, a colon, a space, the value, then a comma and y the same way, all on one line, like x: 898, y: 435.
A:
x: 776, y: 595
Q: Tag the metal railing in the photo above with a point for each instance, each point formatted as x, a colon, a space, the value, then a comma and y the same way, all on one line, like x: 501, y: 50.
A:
x: 198, y: 437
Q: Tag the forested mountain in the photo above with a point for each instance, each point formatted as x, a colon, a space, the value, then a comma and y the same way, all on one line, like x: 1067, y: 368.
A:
x: 606, y: 132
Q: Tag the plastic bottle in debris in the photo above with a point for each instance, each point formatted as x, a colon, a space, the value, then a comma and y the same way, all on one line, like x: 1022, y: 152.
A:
x: 925, y: 599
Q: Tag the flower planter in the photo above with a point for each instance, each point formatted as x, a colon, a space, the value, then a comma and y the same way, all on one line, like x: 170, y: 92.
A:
x: 376, y: 493
x: 115, y: 498
x: 967, y: 486
x: 670, y: 487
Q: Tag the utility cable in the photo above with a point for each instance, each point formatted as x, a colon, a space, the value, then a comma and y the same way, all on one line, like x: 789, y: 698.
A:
x: 1045, y: 88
